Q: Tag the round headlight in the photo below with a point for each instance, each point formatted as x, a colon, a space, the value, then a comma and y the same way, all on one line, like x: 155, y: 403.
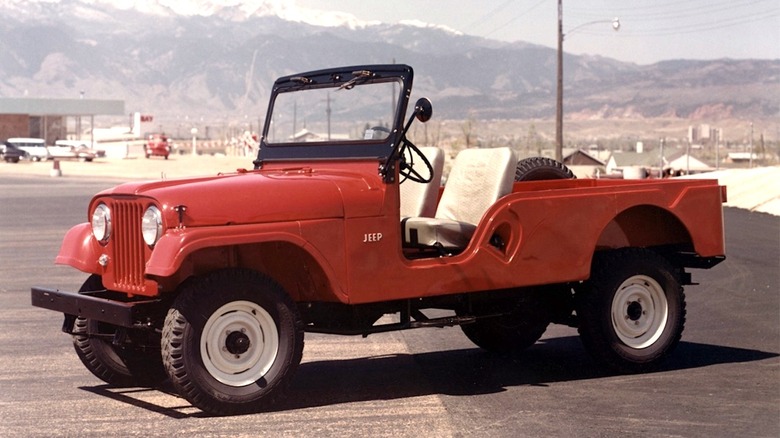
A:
x: 101, y: 223
x: 151, y: 225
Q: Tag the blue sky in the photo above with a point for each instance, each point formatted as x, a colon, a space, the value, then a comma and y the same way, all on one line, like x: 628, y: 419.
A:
x: 651, y: 30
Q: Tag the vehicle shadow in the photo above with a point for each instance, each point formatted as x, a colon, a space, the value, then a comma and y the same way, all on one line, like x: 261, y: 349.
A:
x: 462, y: 372
x: 474, y: 371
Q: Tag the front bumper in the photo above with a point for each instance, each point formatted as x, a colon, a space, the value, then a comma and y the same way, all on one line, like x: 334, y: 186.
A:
x: 106, y: 306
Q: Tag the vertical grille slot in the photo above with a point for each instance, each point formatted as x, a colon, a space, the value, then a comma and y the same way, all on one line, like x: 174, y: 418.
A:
x: 128, y: 245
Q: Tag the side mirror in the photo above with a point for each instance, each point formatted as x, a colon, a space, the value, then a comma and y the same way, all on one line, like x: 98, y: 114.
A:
x: 423, y: 109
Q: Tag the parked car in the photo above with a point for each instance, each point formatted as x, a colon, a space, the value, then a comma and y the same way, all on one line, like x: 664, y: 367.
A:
x: 11, y: 153
x: 36, y: 147
x: 157, y: 145
x: 74, y: 149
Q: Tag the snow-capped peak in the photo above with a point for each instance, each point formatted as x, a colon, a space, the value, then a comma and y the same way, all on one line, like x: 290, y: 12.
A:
x: 424, y: 25
x: 238, y: 10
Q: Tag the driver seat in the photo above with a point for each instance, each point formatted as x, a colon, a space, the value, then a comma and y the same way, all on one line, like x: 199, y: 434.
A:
x: 418, y: 199
x: 479, y: 177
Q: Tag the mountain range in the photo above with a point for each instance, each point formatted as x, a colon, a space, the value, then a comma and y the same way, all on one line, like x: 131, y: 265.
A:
x: 218, y: 60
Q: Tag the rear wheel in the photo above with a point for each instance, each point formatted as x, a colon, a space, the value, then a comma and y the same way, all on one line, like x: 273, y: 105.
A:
x: 231, y: 342
x: 527, y: 320
x: 119, y: 364
x: 632, y: 310
x: 506, y: 334
x: 520, y: 329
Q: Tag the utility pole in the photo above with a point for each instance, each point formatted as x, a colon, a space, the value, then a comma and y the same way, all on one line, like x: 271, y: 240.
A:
x: 559, y: 96
x: 751, y: 145
x: 662, y: 143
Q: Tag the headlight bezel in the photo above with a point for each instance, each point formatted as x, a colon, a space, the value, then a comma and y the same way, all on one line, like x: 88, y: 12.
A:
x: 101, y: 223
x: 151, y: 225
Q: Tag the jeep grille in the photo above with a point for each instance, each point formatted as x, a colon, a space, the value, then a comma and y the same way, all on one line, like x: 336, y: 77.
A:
x: 129, y: 247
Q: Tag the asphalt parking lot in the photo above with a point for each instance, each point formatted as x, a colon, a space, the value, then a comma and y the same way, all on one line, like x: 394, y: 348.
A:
x: 723, y: 380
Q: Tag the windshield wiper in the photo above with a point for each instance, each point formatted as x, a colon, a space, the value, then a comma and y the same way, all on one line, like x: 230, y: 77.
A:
x: 358, y: 76
x: 302, y: 79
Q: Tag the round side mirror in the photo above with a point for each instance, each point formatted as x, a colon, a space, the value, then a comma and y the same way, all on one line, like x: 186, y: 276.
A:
x: 423, y: 109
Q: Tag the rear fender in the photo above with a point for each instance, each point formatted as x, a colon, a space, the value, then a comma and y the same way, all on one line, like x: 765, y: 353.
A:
x: 644, y: 226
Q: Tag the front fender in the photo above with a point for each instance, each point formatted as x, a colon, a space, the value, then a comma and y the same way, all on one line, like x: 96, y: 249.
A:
x: 80, y: 250
x: 173, y: 249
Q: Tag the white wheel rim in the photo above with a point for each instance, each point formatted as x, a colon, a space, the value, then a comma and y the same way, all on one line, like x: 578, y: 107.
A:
x: 239, y: 343
x: 639, y: 312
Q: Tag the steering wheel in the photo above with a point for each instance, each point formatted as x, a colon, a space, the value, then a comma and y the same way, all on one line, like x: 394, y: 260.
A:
x: 377, y: 129
x: 407, y: 169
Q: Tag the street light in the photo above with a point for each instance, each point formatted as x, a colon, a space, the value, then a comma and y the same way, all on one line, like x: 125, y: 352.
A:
x: 559, y: 98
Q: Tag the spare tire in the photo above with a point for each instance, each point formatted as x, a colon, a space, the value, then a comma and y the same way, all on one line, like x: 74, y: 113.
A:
x: 541, y: 168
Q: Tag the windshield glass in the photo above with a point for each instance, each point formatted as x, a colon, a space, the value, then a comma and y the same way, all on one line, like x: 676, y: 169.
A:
x: 356, y: 112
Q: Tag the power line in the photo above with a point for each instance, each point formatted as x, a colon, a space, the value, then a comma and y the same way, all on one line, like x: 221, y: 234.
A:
x: 674, y: 12
x: 706, y: 26
x: 513, y: 19
x: 481, y: 20
x: 684, y: 17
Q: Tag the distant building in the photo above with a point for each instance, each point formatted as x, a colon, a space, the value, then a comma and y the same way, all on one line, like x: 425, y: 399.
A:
x: 52, y: 119
x: 685, y: 164
x: 580, y: 157
x: 704, y: 134
x: 583, y: 163
x: 634, y: 165
x: 741, y: 157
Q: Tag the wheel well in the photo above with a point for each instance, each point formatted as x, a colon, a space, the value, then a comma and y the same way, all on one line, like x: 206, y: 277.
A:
x: 291, y: 266
x: 644, y: 226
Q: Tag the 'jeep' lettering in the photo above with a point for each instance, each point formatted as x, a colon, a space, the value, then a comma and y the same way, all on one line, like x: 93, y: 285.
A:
x: 372, y: 237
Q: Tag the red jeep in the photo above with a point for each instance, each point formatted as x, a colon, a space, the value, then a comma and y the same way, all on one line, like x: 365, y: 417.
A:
x: 157, y: 145
x: 342, y: 228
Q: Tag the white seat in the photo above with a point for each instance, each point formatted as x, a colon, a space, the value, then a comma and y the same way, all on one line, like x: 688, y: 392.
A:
x: 419, y: 199
x: 479, y: 177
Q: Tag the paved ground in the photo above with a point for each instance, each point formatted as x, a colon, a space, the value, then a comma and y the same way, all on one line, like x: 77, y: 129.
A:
x: 724, y: 379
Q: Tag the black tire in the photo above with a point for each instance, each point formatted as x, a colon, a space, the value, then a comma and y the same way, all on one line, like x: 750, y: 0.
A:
x: 128, y: 365
x: 541, y: 168
x: 516, y: 331
x: 505, y: 334
x: 631, y: 311
x: 235, y: 310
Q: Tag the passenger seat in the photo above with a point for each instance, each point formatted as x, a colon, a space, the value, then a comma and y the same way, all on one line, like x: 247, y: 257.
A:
x: 479, y: 177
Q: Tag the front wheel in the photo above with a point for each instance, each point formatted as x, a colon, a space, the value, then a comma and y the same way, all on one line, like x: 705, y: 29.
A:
x: 134, y: 362
x: 631, y: 311
x: 231, y: 342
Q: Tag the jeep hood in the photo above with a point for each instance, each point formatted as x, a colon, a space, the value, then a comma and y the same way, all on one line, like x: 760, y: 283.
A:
x: 260, y: 196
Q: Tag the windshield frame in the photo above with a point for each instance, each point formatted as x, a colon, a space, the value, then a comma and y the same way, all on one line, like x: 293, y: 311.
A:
x: 336, y: 78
